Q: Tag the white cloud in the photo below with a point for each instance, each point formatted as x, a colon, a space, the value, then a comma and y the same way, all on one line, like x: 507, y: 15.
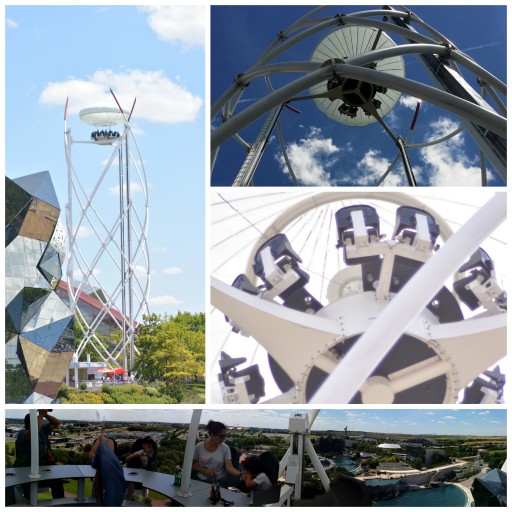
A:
x: 310, y: 158
x: 135, y: 188
x: 79, y: 274
x: 84, y: 232
x: 11, y: 23
x: 449, y: 418
x: 408, y: 101
x: 171, y: 271
x: 448, y: 162
x: 177, y: 24
x: 140, y: 271
x: 372, y: 167
x: 164, y: 300
x: 159, y: 99
x: 484, y: 413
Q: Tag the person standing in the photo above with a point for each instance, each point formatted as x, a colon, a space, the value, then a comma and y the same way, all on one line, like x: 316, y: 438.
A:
x: 109, y: 482
x: 45, y: 424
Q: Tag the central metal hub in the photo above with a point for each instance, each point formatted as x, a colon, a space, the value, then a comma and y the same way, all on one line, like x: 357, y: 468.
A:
x: 355, y: 94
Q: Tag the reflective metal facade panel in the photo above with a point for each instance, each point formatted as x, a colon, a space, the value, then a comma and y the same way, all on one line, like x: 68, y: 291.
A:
x: 39, y: 326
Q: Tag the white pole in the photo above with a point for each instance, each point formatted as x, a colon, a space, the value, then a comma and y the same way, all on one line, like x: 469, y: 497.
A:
x: 189, y: 452
x: 353, y: 370
x: 312, y: 417
x: 316, y: 463
x: 300, y: 472
x: 284, y: 460
x: 34, y: 455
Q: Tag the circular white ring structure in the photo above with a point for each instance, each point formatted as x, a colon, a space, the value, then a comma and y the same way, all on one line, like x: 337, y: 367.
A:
x: 350, y: 42
x: 103, y: 116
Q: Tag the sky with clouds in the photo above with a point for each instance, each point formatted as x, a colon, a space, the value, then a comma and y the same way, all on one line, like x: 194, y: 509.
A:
x: 151, y: 55
x: 445, y: 421
x: 326, y: 153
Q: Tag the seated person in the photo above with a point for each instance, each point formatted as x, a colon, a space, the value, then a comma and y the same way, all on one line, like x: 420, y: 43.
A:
x: 255, y: 478
x: 212, y: 459
x: 143, y: 457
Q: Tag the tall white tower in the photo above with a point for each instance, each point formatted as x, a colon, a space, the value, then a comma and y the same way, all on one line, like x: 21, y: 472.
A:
x: 107, y: 224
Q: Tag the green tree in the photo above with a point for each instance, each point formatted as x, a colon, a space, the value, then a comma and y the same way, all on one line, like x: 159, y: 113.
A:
x: 171, y: 348
x: 417, y: 463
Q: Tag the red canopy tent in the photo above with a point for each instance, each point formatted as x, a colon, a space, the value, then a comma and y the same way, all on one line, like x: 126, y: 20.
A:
x: 115, y: 371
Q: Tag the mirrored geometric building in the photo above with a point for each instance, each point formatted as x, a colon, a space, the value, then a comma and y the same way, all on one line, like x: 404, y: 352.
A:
x: 39, y: 326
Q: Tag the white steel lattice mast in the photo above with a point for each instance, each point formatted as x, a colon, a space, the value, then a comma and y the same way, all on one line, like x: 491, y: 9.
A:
x: 116, y: 235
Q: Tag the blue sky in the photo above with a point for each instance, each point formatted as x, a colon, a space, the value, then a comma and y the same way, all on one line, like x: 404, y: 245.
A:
x: 491, y: 422
x: 326, y: 153
x: 154, y: 54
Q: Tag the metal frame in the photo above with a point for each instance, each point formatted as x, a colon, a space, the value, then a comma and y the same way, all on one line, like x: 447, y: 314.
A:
x: 123, y: 241
x: 459, y: 353
x: 487, y: 127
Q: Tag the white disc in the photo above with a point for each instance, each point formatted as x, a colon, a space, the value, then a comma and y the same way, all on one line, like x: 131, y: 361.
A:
x: 348, y: 42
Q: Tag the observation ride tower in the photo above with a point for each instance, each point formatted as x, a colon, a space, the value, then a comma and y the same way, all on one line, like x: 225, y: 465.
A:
x: 107, y: 224
x: 355, y: 75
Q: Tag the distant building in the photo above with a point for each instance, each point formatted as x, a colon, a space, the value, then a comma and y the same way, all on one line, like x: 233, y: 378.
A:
x: 427, y: 455
x: 389, y: 446
x: 91, y: 306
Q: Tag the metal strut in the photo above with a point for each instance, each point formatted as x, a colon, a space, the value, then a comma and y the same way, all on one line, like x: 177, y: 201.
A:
x: 493, y: 145
x: 370, y: 108
x: 253, y: 158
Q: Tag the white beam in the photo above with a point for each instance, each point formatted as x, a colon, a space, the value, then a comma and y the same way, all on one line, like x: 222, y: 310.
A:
x: 189, y: 452
x: 353, y: 370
